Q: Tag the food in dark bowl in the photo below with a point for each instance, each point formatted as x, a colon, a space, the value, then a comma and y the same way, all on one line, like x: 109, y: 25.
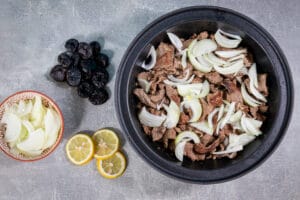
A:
x: 193, y: 97
x: 270, y: 63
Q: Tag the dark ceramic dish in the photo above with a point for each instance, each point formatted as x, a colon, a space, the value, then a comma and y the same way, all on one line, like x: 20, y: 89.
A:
x: 269, y: 58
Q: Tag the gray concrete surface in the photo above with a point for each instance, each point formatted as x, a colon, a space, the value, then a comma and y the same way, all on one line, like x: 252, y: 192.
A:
x: 32, y: 34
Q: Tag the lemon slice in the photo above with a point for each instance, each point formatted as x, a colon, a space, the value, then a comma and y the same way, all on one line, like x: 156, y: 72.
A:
x: 112, y: 167
x: 80, y: 149
x: 107, y: 143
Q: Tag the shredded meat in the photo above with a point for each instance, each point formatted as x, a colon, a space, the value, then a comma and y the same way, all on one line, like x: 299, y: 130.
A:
x: 202, y: 35
x: 206, y: 139
x: 157, y: 133
x: 214, y: 77
x: 233, y: 92
x: 172, y: 94
x: 165, y: 58
x: 169, y: 135
x: 262, y: 84
x: 206, y: 109
x: 143, y: 97
x: 263, y: 108
x: 160, y: 94
x: 215, y: 99
x: 198, y: 73
x: 189, y: 152
x: 248, y: 60
x: 184, y: 118
x: 147, y: 130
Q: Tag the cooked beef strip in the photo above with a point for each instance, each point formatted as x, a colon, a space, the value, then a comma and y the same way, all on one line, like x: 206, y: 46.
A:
x: 248, y: 60
x: 206, y: 139
x: 263, y: 108
x: 160, y: 94
x: 253, y: 111
x: 158, y: 133
x: 233, y: 92
x: 143, y: 97
x: 216, y: 99
x: 262, y: 84
x: 189, y: 152
x: 206, y: 109
x: 184, y: 118
x: 172, y: 94
x: 169, y: 135
x: 147, y: 129
x: 198, y: 74
x: 214, y: 77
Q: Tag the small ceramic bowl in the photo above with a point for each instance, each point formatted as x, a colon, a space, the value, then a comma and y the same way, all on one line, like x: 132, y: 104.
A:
x: 26, y: 95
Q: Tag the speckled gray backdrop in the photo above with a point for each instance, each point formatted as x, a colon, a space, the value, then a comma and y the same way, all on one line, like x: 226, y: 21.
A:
x: 32, y: 34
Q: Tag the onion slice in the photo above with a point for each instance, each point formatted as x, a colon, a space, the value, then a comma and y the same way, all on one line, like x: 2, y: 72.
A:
x: 179, y: 149
x: 194, y: 90
x: 247, y: 98
x: 152, y: 63
x: 210, y: 117
x: 221, y: 112
x: 204, y: 46
x: 175, y: 40
x: 228, y: 115
x: 223, y: 40
x: 232, y: 150
x: 187, y: 135
x: 173, y: 113
x: 148, y: 119
x: 178, y: 80
x: 253, y: 81
x: 249, y: 127
x: 203, y: 126
x: 195, y: 106
x: 232, y: 69
x: 196, y: 64
x: 214, y: 60
x: 144, y: 84
x: 230, y: 53
x: 183, y: 59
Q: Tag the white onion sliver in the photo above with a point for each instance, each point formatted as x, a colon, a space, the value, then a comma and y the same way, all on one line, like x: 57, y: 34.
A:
x: 204, y: 46
x: 230, y: 53
x: 232, y: 150
x: 236, y: 116
x: 253, y: 79
x: 144, y: 84
x: 214, y: 60
x: 183, y: 80
x: 203, y: 126
x: 253, y: 74
x: 194, y: 61
x: 152, y: 63
x: 173, y: 113
x: 148, y: 119
x: 241, y: 56
x: 183, y: 59
x: 195, y: 106
x: 187, y: 135
x: 175, y: 40
x: 210, y: 117
x: 226, y: 42
x: 228, y: 115
x: 221, y: 112
x: 232, y: 69
x: 179, y: 149
x: 247, y: 98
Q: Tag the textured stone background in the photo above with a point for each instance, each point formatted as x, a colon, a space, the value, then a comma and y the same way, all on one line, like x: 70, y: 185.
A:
x: 32, y: 34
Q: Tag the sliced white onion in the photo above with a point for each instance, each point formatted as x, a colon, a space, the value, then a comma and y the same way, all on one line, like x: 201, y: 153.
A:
x: 247, y: 98
x: 24, y: 108
x: 221, y: 112
x: 148, y: 119
x: 232, y: 150
x: 244, y: 71
x: 195, y: 106
x: 204, y: 46
x: 152, y: 63
x: 196, y: 64
x: 253, y: 79
x: 144, y: 84
x: 159, y: 106
x: 179, y: 149
x: 194, y: 90
x: 210, y: 117
x: 223, y: 40
x: 214, y: 60
x: 249, y: 127
x: 241, y: 56
x: 182, y: 80
x: 236, y: 117
x: 175, y: 40
x: 230, y: 53
x: 183, y: 59
x: 256, y: 123
x: 228, y: 115
x: 168, y: 82
x: 187, y: 135
x: 173, y: 113
x: 203, y: 126
x: 232, y: 69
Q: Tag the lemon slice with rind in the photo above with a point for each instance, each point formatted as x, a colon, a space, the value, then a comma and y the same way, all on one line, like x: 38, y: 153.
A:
x: 112, y: 167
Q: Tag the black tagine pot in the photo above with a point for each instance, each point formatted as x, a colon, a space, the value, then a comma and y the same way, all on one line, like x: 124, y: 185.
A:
x: 269, y: 58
